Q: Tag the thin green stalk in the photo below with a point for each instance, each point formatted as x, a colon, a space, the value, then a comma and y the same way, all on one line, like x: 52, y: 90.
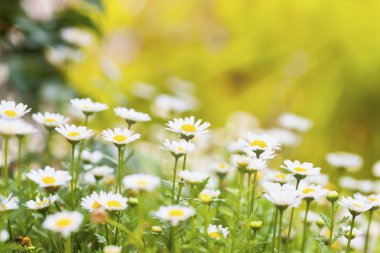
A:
x: 349, y: 238
x: 54, y: 242
x: 19, y: 170
x: 174, y: 178
x: 332, y: 225
x: 119, y: 169
x: 291, y: 221
x: 181, y: 183
x: 47, y: 147
x: 72, y: 183
x: 279, y: 230
x: 275, y: 230
x: 68, y: 245
x: 237, y: 213
x: 253, y: 195
x: 5, y: 166
x: 248, y: 195
x: 305, y: 226
x: 368, y: 229
x: 81, y: 145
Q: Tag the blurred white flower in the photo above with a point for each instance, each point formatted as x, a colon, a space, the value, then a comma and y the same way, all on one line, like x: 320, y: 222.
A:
x: 113, y: 201
x: 376, y: 169
x: 178, y: 148
x: 284, y: 137
x: 282, y: 196
x: 50, y: 120
x: 49, y: 177
x: 188, y: 128
x: 344, y: 160
x: 74, y: 133
x: 120, y: 137
x: 355, y: 206
x: 76, y: 36
x: 87, y: 106
x: 112, y: 249
x: 39, y: 204
x: 4, y: 235
x: 217, y: 232
x: 143, y: 90
x: 193, y: 177
x: 43, y: 10
x: 8, y: 203
x: 62, y: 55
x: 64, y: 222
x: 141, y: 182
x: 165, y: 106
x: 174, y: 214
x: 92, y: 157
x: 301, y: 169
x: 294, y: 122
x: 131, y: 116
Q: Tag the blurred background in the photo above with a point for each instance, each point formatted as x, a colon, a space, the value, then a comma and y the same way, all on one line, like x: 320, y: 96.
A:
x: 318, y: 59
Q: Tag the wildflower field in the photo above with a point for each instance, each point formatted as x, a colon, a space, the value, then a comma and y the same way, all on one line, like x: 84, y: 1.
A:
x: 189, y: 126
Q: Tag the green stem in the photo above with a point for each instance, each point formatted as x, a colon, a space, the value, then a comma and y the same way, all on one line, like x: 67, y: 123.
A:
x: 119, y: 169
x: 174, y: 178
x: 237, y: 218
x: 368, y: 229
x: 47, y: 148
x: 291, y: 221
x: 19, y: 170
x: 349, y: 238
x: 305, y: 226
x: 332, y: 225
x: 181, y: 184
x: 5, y: 166
x: 81, y: 146
x: 279, y: 230
x: 253, y: 195
x: 68, y: 245
x: 275, y: 229
x: 72, y: 183
x: 248, y: 195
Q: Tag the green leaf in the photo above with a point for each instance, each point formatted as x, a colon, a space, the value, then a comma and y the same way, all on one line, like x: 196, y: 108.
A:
x: 326, y: 220
x: 101, y: 239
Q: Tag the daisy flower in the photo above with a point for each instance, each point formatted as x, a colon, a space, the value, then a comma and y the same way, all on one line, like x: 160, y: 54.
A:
x: 73, y: 133
x: 8, y: 203
x: 208, y: 195
x: 175, y: 214
x: 345, y: 161
x: 355, y: 206
x: 221, y: 168
x: 312, y: 191
x: 92, y: 157
x: 113, y: 201
x: 283, y: 196
x: 301, y: 170
x: 376, y: 169
x: 112, y: 249
x: 4, y: 235
x: 49, y: 177
x: 187, y: 127
x: 278, y: 177
x: 193, y: 177
x: 217, y: 232
x: 101, y: 171
x: 263, y: 154
x: 50, y: 120
x: 255, y: 165
x: 91, y: 202
x: 64, y: 222
x: 178, y: 148
x: 240, y: 161
x: 260, y: 142
x: 24, y: 129
x: 131, y: 116
x: 284, y: 137
x: 373, y: 199
x: 120, y: 137
x: 294, y: 122
x: 9, y: 127
x: 87, y: 106
x: 9, y: 110
x: 141, y: 182
x: 40, y: 204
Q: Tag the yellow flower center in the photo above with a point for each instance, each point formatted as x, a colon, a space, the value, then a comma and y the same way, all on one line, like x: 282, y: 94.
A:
x: 50, y: 120
x: 96, y: 205
x: 10, y: 113
x: 372, y: 199
x: 259, y: 143
x: 180, y: 149
x: 39, y: 203
x: 357, y: 205
x: 280, y: 176
x: 205, y: 198
x: 119, y: 138
x: 176, y: 213
x: 73, y: 134
x: 308, y: 190
x: 188, y: 128
x: 64, y: 222
x: 48, y: 180
x: 215, y: 235
x: 113, y: 203
x: 299, y: 169
x: 142, y: 183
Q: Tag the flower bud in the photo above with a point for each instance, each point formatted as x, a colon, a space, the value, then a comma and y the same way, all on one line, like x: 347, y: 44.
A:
x: 256, y: 225
x: 157, y: 229
x: 133, y: 201
x: 99, y: 216
x: 205, y: 198
x: 26, y: 241
x: 332, y: 196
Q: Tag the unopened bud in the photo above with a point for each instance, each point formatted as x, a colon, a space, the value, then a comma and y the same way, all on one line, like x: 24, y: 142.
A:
x: 256, y: 225
x: 99, y: 216
x: 133, y: 201
x: 157, y: 229
x: 332, y: 196
x: 205, y: 198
